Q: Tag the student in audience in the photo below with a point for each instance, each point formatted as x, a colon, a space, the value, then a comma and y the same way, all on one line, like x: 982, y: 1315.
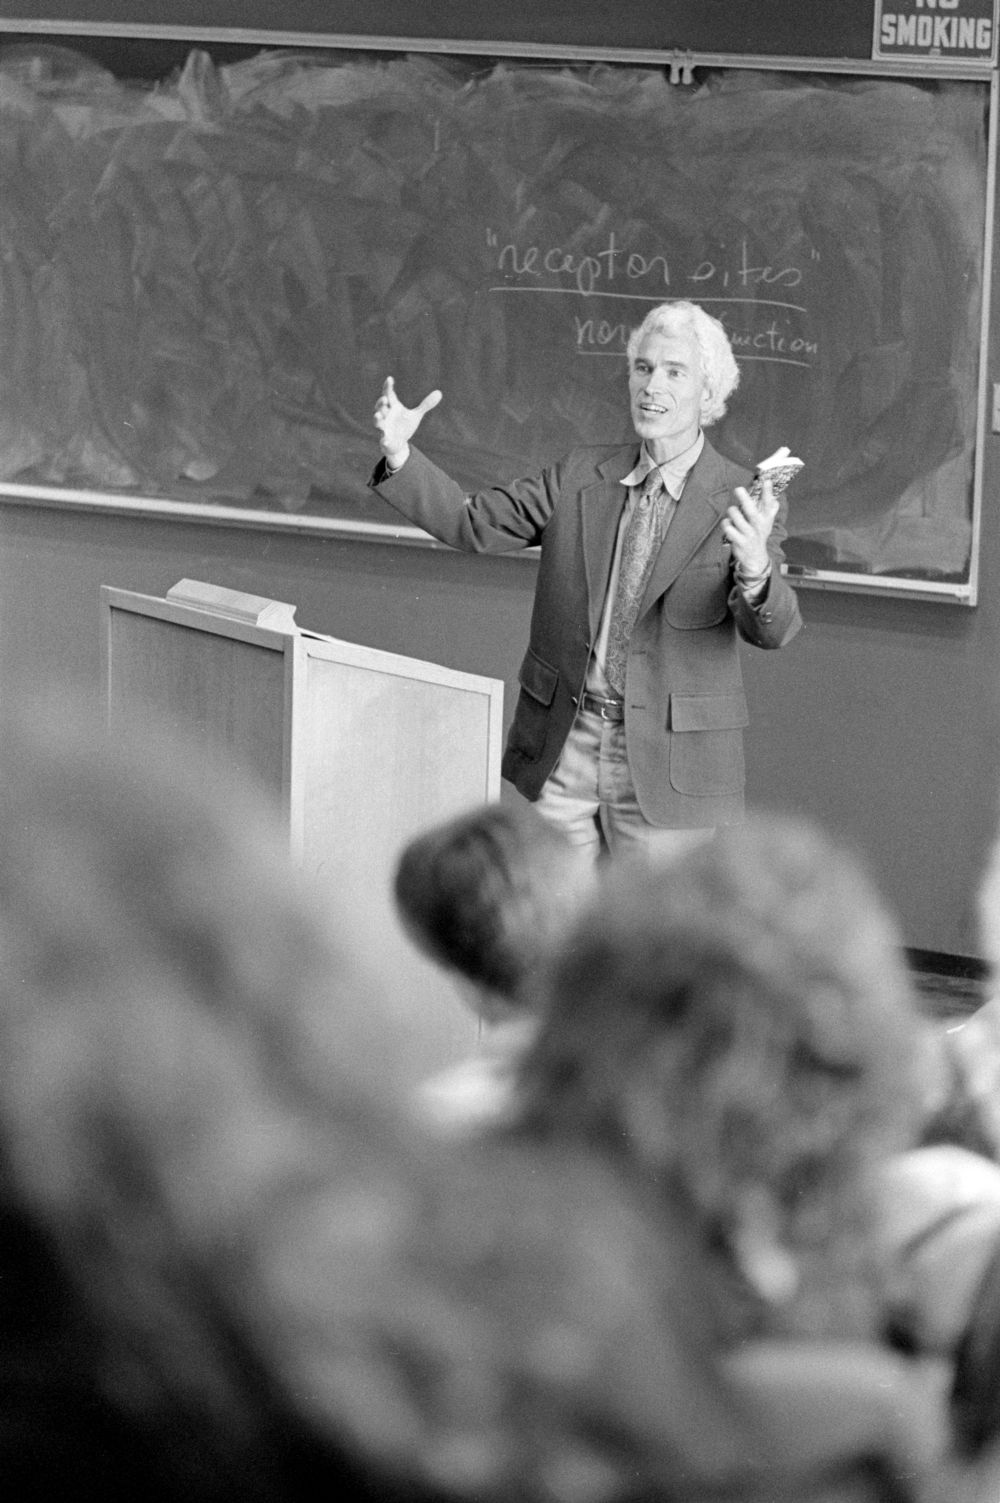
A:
x: 175, y: 1022
x: 939, y: 1236
x: 486, y: 895
x: 739, y: 1028
x: 738, y: 1031
x: 551, y: 1337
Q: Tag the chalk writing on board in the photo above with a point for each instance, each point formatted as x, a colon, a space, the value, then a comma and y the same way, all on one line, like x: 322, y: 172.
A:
x: 612, y: 272
x: 772, y: 342
x: 598, y: 269
x: 204, y: 282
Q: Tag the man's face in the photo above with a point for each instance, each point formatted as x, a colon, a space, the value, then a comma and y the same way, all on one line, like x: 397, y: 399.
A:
x: 668, y: 394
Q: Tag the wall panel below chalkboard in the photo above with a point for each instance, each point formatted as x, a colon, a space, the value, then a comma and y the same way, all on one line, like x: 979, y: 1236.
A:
x: 205, y: 277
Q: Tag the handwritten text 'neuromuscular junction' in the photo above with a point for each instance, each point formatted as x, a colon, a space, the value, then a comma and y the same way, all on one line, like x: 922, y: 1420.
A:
x: 616, y: 272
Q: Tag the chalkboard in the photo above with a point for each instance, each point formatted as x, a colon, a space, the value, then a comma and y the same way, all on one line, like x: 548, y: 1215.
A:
x: 205, y: 277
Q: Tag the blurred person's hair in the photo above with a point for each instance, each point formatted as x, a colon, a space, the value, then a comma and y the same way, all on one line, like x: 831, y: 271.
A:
x: 523, y: 1327
x: 739, y: 1025
x: 185, y: 1046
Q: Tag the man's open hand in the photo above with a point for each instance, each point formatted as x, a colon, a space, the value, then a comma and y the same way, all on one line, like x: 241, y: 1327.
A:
x: 397, y: 424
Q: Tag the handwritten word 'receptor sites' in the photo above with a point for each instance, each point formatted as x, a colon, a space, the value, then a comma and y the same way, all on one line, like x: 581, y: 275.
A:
x: 615, y: 273
x: 588, y: 272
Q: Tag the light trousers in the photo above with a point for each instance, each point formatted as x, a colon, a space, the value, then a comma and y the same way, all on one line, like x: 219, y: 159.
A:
x: 590, y: 796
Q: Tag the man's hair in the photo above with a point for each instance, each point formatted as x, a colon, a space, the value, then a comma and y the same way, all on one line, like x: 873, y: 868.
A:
x: 722, y: 374
x: 487, y: 893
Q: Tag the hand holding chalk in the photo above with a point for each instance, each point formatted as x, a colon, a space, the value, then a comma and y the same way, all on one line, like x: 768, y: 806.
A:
x: 747, y: 524
x: 779, y: 468
x: 397, y: 424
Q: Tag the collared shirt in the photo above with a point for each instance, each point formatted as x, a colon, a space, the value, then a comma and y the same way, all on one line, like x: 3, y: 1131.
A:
x: 674, y: 475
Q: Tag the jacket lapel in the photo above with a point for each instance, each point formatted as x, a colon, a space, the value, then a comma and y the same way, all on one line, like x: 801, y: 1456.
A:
x: 601, y: 508
x: 703, y: 503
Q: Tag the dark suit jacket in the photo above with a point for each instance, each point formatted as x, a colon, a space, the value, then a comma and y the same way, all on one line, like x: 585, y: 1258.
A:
x: 685, y: 705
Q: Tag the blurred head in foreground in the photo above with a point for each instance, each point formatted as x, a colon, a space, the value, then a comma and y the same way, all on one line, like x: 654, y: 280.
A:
x: 739, y: 1027
x: 183, y: 1046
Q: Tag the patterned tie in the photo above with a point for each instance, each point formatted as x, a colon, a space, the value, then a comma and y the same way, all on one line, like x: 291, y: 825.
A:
x: 643, y: 536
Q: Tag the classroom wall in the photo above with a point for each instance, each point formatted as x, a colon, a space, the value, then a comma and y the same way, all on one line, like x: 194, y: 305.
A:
x: 882, y: 720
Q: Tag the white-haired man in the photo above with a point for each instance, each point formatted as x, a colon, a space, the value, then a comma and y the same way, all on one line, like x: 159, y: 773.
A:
x: 654, y: 561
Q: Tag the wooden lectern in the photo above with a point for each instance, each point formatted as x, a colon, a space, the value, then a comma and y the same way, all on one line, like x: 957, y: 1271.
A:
x: 362, y: 748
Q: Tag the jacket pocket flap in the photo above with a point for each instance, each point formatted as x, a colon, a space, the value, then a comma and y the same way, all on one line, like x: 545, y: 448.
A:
x: 538, y: 679
x: 708, y: 712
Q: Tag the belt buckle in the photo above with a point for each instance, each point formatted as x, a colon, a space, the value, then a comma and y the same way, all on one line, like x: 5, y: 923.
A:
x: 611, y: 710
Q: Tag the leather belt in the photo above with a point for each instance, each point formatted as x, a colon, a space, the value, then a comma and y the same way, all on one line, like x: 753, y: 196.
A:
x: 608, y: 709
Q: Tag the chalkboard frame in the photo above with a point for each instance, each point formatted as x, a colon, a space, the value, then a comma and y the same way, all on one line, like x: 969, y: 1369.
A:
x: 680, y: 66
